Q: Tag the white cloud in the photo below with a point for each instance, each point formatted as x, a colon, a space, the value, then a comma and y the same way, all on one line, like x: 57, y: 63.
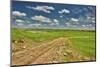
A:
x: 74, y: 19
x: 19, y: 20
x: 42, y: 8
x: 83, y: 25
x: 57, y: 23
x: 86, y: 19
x: 90, y: 19
x: 41, y: 18
x: 68, y: 24
x: 35, y: 24
x: 54, y: 23
x: 93, y: 18
x: 20, y: 24
x: 55, y: 20
x: 93, y: 21
x: 61, y: 16
x: 28, y: 21
x: 18, y: 13
x: 89, y: 25
x: 64, y: 11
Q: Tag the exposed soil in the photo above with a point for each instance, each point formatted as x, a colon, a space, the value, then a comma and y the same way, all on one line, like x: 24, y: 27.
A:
x: 56, y: 51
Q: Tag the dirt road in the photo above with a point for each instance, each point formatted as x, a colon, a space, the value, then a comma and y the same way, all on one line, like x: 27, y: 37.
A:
x: 58, y: 50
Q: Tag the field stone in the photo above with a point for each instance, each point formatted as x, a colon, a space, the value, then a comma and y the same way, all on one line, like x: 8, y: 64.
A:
x: 69, y: 51
x: 21, y: 41
x: 15, y: 41
x: 24, y: 47
x: 65, y: 54
x: 54, y: 61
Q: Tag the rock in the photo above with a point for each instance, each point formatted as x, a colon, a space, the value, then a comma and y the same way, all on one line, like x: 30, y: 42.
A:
x: 54, y: 61
x: 24, y: 47
x: 14, y: 41
x: 21, y: 41
x: 18, y: 41
x: 65, y: 54
x: 69, y: 51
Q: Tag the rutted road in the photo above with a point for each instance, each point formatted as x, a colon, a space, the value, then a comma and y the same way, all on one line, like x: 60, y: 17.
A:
x: 55, y: 51
x: 31, y: 55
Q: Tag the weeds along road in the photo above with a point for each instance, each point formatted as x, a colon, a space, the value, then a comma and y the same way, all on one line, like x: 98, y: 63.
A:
x: 31, y: 56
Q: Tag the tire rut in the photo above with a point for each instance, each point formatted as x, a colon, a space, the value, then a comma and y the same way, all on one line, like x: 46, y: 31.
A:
x: 30, y: 56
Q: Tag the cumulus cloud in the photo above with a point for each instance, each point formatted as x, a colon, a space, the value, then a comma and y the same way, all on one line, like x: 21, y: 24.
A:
x: 19, y: 20
x: 55, y: 20
x: 54, y: 24
x: 83, y: 25
x: 41, y: 18
x: 74, y: 19
x: 88, y: 25
x: 61, y: 16
x: 68, y: 24
x: 35, y: 24
x: 88, y: 19
x: 20, y: 24
x: 64, y: 11
x: 18, y: 13
x: 46, y: 9
x: 93, y: 21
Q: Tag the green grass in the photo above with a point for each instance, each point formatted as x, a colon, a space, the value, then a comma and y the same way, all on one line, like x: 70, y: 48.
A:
x: 85, y: 46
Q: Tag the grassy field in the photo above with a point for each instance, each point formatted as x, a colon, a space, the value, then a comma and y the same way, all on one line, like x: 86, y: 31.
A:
x: 82, y: 41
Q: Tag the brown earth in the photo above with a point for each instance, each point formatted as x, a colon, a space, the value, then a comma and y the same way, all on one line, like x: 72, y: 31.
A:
x: 56, y: 51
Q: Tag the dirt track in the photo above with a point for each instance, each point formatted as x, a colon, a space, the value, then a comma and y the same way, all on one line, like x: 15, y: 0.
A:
x: 54, y: 51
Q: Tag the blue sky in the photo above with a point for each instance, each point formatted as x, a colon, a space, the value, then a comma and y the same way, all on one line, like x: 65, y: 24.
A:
x: 52, y: 15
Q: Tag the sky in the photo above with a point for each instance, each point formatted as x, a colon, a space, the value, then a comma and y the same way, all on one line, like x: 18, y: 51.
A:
x: 52, y: 15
